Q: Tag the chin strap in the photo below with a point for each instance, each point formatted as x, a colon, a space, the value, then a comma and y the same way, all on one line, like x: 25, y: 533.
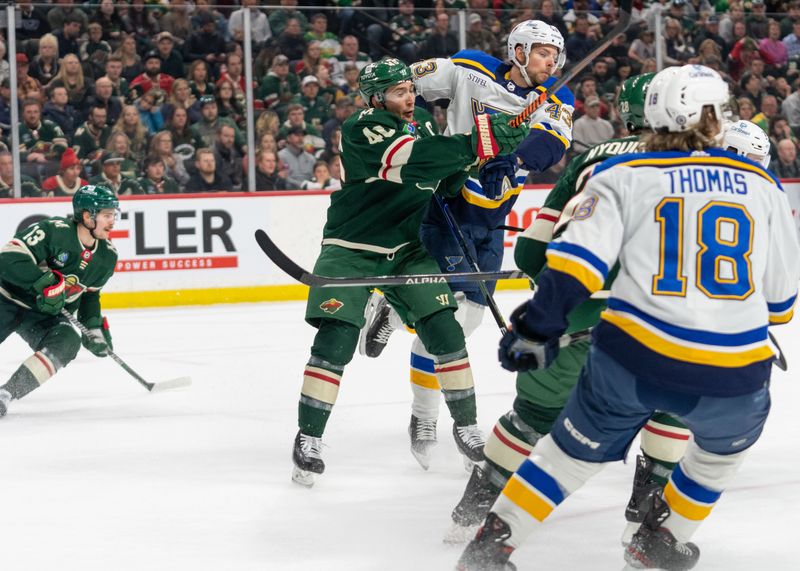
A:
x: 523, y: 69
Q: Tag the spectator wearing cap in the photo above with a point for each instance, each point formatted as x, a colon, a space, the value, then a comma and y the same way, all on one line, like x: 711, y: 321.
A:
x: 299, y: 162
x: 171, y: 60
x: 279, y: 86
x: 177, y: 21
x: 40, y: 140
x: 57, y: 15
x: 68, y: 180
x: 206, y: 43
x: 259, y: 23
x: 773, y: 51
x: 152, y: 77
x: 278, y: 19
x: 111, y: 175
x: 91, y: 137
x: 45, y: 64
x: 227, y: 158
x: 31, y: 21
x: 155, y: 180
x: 342, y: 110
x: 349, y: 55
x: 220, y: 22
x: 29, y: 186
x: 207, y: 127
x: 207, y: 178
x: 68, y: 35
x: 104, y: 97
x: 27, y: 86
x: 315, y: 108
x: 679, y: 10
x: 710, y: 31
x: 591, y: 129
x: 58, y: 110
x: 440, y: 42
x: 267, y: 174
x: 479, y: 38
x: 757, y: 22
x: 318, y: 32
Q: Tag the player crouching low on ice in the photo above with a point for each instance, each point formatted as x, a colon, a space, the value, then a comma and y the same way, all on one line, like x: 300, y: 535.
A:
x: 708, y: 259
x: 51, y: 265
x: 392, y: 160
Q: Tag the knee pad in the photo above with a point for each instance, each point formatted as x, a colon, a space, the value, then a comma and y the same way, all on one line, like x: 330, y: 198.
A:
x: 61, y: 345
x: 469, y: 314
x: 335, y: 342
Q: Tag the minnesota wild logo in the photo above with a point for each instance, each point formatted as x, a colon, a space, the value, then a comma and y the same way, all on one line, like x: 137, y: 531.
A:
x: 331, y: 306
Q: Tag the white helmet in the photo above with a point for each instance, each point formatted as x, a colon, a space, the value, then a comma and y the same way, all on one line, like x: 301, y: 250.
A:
x: 677, y: 95
x: 530, y: 33
x: 748, y: 140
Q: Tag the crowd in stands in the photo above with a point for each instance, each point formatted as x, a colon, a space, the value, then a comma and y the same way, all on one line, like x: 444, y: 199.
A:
x: 149, y: 97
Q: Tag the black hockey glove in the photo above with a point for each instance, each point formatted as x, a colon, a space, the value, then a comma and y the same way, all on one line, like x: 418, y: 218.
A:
x: 497, y: 174
x: 521, y: 352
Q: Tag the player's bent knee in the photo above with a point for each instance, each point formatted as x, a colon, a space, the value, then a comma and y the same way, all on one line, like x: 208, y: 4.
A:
x: 440, y: 332
x: 61, y: 344
x: 335, y: 342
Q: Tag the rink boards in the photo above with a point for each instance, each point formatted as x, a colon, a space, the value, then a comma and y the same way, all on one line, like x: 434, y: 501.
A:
x: 199, y: 248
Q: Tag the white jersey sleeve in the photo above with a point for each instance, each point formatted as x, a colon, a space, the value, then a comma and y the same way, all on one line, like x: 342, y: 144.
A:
x: 436, y: 78
x: 783, y: 263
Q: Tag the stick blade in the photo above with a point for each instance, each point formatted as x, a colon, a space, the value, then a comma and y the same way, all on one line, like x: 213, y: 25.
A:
x: 282, y: 260
x: 178, y: 383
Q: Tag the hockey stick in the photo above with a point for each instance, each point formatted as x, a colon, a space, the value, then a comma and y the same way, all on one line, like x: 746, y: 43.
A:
x: 152, y: 387
x: 622, y: 24
x: 455, y: 229
x: 780, y: 359
x: 314, y: 280
x: 509, y: 228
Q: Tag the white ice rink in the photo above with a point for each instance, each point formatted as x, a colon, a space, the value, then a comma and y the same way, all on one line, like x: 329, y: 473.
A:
x: 98, y: 474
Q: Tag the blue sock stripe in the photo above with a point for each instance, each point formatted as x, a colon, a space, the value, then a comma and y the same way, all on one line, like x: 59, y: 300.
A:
x: 423, y: 364
x: 541, y: 480
x: 692, y: 489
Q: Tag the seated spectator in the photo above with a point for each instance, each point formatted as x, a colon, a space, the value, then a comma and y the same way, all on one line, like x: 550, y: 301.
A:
x: 548, y: 14
x: 40, y: 140
x: 768, y: 110
x: 68, y: 35
x: 773, y: 51
x: 746, y: 108
x: 351, y: 55
x: 131, y: 62
x: 779, y: 130
x: 220, y: 23
x: 295, y: 117
x: 5, y: 99
x: 259, y: 23
x: 587, y: 90
x: 480, y: 38
x: 181, y: 97
x: 234, y: 73
x: 161, y: 146
x: 335, y: 166
x: 5, y: 67
x: 29, y: 187
x: 591, y: 129
x: 27, y: 87
x: 152, y: 77
x: 787, y: 165
x: 142, y: 21
x: 643, y: 47
x: 757, y: 22
x: 677, y: 50
x: 31, y: 22
x: 268, y: 122
x: 267, y: 176
x: 227, y: 158
x: 68, y: 180
x: 792, y: 16
x: 199, y: 81
x: 440, y: 42
x: 279, y: 19
x: 230, y: 104
x: 740, y: 56
x: 792, y: 42
x: 130, y: 123
x: 351, y: 88
x: 177, y: 21
x: 210, y: 121
x: 342, y: 110
x: 622, y: 72
x: 184, y: 139
x: 299, y: 162
x: 581, y: 41
x: 329, y: 91
x: 279, y: 86
x: 315, y: 108
x: 59, y: 111
x: 318, y: 32
x: 206, y: 177
x: 95, y: 51
x: 110, y: 22
x: 291, y: 42
x: 45, y: 65
x: 790, y: 108
x: 114, y: 74
x: 150, y: 112
x: 312, y: 57
x: 322, y: 179
x: 57, y: 15
x: 70, y: 75
x: 267, y: 142
x: 111, y: 175
x: 206, y: 43
x: 92, y: 136
x: 331, y: 146
x: 119, y: 143
x: 171, y: 59
x: 154, y: 180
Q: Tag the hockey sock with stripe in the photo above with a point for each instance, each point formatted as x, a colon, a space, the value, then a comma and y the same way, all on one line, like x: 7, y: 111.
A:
x: 663, y: 440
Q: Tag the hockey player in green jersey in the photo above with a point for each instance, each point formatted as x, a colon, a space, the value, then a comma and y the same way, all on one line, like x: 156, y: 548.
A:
x: 392, y: 160
x: 542, y: 394
x: 54, y: 264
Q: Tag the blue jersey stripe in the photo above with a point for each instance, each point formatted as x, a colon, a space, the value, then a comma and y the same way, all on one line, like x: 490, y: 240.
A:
x: 694, y: 335
x: 582, y: 253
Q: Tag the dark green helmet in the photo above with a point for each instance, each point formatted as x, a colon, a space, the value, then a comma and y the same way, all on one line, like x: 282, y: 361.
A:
x: 377, y: 77
x: 93, y: 198
x: 632, y: 95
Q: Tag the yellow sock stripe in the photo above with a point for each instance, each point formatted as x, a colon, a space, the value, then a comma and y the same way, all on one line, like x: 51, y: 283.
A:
x: 527, y: 499
x: 506, y: 450
x: 321, y: 384
x: 684, y: 506
x: 424, y: 380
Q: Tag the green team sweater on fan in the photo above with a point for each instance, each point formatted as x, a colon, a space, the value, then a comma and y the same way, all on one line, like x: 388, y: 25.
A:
x: 53, y: 243
x: 529, y: 253
x: 390, y: 168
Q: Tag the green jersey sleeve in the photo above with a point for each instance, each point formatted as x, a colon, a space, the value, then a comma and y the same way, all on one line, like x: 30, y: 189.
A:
x: 24, y: 258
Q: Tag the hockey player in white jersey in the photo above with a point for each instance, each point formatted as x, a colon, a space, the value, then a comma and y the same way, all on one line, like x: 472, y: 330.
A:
x: 747, y: 140
x: 709, y: 259
x: 474, y: 83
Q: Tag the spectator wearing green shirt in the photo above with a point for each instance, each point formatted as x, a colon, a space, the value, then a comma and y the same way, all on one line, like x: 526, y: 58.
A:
x: 278, y: 18
x: 111, y: 175
x: 40, y: 140
x: 318, y: 32
x: 206, y: 129
x: 279, y: 86
x: 316, y: 109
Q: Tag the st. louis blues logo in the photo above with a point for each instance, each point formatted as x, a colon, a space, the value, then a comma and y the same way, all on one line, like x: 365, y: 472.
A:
x: 452, y: 262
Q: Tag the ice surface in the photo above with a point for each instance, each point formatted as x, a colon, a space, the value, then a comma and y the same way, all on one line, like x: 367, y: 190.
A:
x: 98, y: 474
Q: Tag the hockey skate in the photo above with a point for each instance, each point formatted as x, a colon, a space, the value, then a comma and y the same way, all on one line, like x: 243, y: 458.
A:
x: 479, y: 496
x: 423, y: 439
x: 5, y: 398
x: 654, y: 547
x: 307, y: 458
x: 640, y: 502
x: 382, y: 321
x: 470, y: 442
x: 488, y: 552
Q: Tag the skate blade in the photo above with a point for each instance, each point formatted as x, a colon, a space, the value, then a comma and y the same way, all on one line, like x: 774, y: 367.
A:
x: 630, y: 530
x: 178, y: 383
x: 469, y: 465
x: 459, y: 534
x: 303, y: 477
x: 423, y: 456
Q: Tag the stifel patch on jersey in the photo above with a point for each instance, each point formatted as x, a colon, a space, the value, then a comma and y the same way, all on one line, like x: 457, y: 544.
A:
x: 331, y: 306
